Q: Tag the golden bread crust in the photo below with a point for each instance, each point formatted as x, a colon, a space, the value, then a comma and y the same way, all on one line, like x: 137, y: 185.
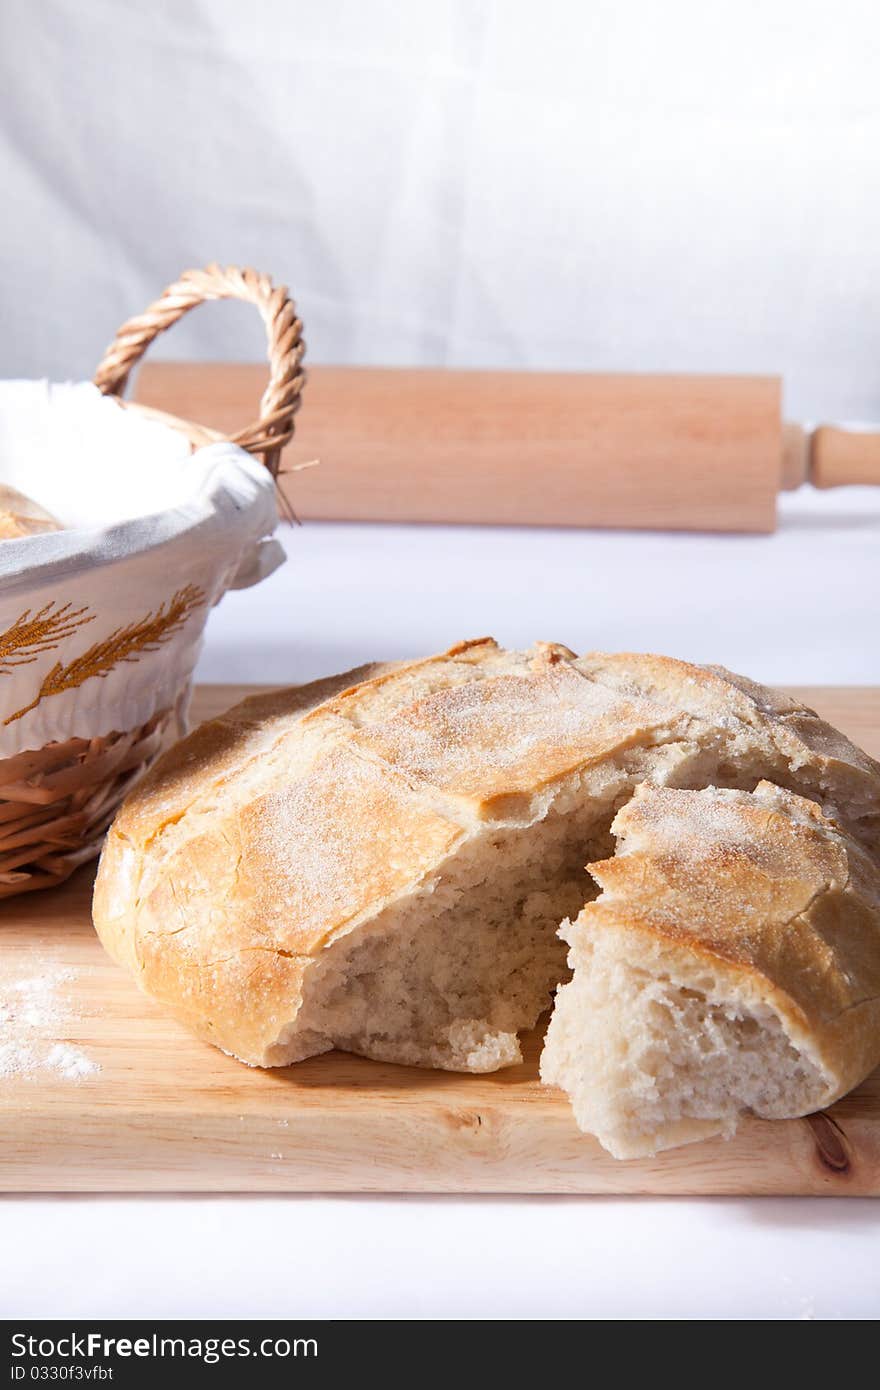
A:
x: 299, y: 815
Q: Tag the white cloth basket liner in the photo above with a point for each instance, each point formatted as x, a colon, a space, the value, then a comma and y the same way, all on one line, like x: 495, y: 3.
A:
x: 101, y: 624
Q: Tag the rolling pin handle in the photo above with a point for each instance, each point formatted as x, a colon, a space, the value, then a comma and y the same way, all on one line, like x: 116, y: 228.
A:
x: 839, y: 457
x: 828, y: 457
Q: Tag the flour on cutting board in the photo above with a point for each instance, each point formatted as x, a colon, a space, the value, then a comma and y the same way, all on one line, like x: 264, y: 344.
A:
x: 34, y: 1010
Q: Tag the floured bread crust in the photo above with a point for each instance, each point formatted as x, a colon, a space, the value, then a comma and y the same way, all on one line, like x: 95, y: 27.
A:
x: 301, y: 839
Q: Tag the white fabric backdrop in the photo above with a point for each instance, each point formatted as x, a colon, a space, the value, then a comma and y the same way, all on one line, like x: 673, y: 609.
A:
x: 607, y: 184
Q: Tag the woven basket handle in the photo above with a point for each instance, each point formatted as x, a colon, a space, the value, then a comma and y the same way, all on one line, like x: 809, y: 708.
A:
x: 281, y: 399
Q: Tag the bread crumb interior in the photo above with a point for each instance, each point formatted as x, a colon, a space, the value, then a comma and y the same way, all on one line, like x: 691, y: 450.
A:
x: 650, y: 1060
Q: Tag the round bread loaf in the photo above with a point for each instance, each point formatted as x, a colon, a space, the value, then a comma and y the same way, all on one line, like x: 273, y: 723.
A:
x: 380, y: 862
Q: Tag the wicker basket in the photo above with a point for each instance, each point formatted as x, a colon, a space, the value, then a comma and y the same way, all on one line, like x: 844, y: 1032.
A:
x: 57, y: 801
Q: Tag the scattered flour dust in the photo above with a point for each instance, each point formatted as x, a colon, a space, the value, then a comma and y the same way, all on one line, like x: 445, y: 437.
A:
x: 33, y: 1012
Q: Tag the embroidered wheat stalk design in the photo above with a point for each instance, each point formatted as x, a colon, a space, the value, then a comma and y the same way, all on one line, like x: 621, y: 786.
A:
x: 125, y: 644
x: 32, y: 634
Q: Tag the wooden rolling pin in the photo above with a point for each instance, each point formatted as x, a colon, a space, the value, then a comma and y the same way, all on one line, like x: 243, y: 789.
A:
x: 705, y: 453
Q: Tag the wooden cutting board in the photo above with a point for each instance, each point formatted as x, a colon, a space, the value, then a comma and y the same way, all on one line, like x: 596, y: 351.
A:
x: 166, y: 1112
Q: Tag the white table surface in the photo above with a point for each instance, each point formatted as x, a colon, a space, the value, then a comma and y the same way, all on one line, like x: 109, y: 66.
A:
x: 797, y: 607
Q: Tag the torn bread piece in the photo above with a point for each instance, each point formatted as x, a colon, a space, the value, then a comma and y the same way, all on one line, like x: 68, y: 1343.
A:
x: 730, y: 965
x: 380, y: 862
